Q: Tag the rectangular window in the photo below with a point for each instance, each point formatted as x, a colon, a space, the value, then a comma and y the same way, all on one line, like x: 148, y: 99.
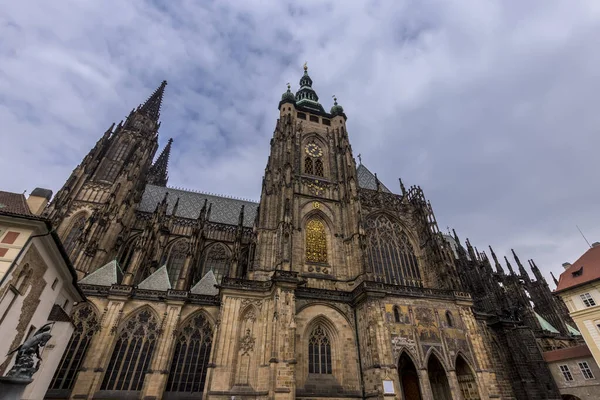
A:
x: 10, y: 237
x: 566, y: 373
x: 585, y: 370
x: 314, y: 118
x: 3, y: 252
x: 301, y: 115
x: 326, y: 122
x: 54, y: 283
x: 588, y: 300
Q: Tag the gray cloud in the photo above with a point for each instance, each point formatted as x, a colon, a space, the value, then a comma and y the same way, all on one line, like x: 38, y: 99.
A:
x: 489, y: 106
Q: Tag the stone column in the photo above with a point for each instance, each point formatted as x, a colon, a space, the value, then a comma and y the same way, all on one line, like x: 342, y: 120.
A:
x: 425, y: 385
x: 454, y: 386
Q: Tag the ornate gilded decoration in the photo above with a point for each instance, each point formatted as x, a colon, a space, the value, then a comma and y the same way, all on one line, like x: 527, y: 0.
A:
x: 390, y: 253
x: 316, y: 241
x: 316, y: 204
x: 313, y: 150
x: 316, y: 188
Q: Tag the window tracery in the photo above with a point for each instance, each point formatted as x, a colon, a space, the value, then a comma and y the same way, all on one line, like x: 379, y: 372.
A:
x: 316, y: 241
x: 86, y: 325
x: 319, y: 352
x: 217, y: 258
x: 191, y: 357
x: 176, y: 259
x: 319, y: 167
x: 390, y: 252
x: 308, y: 166
x: 76, y: 230
x: 120, y: 151
x: 132, y: 353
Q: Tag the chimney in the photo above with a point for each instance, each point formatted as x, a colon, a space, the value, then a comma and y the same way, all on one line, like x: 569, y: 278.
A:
x: 595, y: 244
x: 566, y: 265
x: 38, y: 199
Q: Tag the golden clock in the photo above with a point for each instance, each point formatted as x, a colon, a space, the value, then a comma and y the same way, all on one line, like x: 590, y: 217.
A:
x: 313, y: 150
x: 316, y: 188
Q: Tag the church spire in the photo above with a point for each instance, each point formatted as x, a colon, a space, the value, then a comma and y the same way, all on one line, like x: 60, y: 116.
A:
x: 158, y: 174
x: 306, y: 95
x: 151, y: 108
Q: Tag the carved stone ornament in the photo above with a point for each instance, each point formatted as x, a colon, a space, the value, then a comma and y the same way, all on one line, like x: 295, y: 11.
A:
x: 247, y: 342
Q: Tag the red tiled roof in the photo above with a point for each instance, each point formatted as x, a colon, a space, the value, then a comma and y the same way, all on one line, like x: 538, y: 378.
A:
x: 586, y: 269
x: 13, y: 203
x: 568, y: 353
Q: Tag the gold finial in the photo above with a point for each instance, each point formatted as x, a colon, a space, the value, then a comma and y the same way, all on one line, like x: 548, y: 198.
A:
x: 305, y: 66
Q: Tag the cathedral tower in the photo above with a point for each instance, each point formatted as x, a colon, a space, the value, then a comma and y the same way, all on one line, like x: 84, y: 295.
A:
x: 94, y: 210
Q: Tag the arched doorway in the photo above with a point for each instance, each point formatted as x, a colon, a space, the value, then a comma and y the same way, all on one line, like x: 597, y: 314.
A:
x: 437, y: 379
x: 466, y: 380
x: 409, y: 379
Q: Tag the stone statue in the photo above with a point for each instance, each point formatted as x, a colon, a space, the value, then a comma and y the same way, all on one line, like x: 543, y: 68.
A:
x: 25, y: 365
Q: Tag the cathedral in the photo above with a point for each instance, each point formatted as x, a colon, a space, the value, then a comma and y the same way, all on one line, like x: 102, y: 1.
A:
x: 331, y: 286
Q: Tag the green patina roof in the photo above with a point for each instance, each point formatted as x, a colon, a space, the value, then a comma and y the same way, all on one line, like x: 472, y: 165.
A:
x: 573, y: 331
x: 545, y: 324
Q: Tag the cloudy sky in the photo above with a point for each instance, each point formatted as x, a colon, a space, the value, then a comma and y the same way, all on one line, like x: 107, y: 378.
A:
x: 491, y: 107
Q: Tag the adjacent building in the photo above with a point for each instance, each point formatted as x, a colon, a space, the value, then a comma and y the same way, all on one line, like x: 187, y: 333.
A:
x: 37, y: 284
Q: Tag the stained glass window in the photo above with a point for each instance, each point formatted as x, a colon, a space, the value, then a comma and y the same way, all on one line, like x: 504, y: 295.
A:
x: 190, y: 360
x: 308, y: 165
x: 86, y: 324
x: 319, y: 352
x: 76, y: 230
x: 390, y: 252
x: 132, y: 354
x: 316, y: 241
x: 177, y: 257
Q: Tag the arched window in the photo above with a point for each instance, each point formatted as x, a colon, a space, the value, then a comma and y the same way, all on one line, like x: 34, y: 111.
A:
x: 316, y: 241
x: 396, y: 314
x: 76, y: 230
x: 127, y: 255
x: 319, y: 352
x: 109, y: 171
x: 120, y: 151
x: 176, y: 260
x: 308, y: 165
x: 449, y: 319
x: 86, y: 325
x: 319, y: 167
x: 390, y: 253
x: 190, y: 360
x: 217, y: 258
x: 132, y: 354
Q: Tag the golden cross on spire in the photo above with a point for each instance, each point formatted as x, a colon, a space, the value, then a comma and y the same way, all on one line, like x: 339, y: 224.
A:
x: 305, y: 66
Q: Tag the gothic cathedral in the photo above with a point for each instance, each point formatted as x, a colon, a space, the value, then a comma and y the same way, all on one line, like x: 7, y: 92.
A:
x: 332, y: 286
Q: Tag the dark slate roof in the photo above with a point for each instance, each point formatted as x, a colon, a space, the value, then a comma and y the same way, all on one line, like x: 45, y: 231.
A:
x: 14, y: 203
x: 366, y: 179
x: 225, y: 210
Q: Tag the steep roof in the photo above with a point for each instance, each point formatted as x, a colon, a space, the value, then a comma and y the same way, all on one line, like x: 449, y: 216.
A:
x: 206, y: 285
x: 585, y: 269
x: 106, y: 275
x: 545, y: 324
x: 159, y: 280
x: 225, y: 210
x: 366, y: 179
x: 14, y: 203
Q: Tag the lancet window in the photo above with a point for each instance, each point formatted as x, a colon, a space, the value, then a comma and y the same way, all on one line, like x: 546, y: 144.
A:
x: 76, y: 230
x: 390, y: 253
x: 86, y: 325
x: 191, y: 357
x: 132, y: 354
x: 319, y: 167
x: 319, y: 352
x: 308, y: 166
x: 120, y: 151
x: 176, y: 259
x: 316, y: 241
x: 217, y: 259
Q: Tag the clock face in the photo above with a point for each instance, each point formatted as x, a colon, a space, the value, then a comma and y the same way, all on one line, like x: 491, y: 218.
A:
x: 313, y: 150
x: 316, y: 188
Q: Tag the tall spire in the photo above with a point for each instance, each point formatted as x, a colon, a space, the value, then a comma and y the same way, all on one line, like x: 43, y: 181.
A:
x: 158, y: 174
x: 522, y: 269
x: 151, y: 108
x: 306, y: 95
x: 497, y: 264
x: 554, y: 278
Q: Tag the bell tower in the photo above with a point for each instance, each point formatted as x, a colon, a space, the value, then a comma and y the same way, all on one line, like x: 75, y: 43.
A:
x: 308, y: 214
x: 94, y: 211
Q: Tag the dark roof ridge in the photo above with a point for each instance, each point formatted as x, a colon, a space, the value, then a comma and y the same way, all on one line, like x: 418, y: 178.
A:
x: 225, y: 196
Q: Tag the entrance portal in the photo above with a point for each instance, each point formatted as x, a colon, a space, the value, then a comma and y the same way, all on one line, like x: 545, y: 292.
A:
x: 409, y: 379
x: 438, y: 380
x: 466, y: 380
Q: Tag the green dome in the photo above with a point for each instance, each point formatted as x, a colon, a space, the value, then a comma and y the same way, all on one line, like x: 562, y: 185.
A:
x: 336, y: 109
x: 288, y: 96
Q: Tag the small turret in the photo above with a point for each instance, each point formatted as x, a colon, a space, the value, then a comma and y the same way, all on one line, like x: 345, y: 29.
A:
x: 158, y: 172
x: 522, y: 270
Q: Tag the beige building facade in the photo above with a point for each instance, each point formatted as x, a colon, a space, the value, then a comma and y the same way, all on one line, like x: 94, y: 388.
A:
x: 37, y: 285
x: 331, y: 286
